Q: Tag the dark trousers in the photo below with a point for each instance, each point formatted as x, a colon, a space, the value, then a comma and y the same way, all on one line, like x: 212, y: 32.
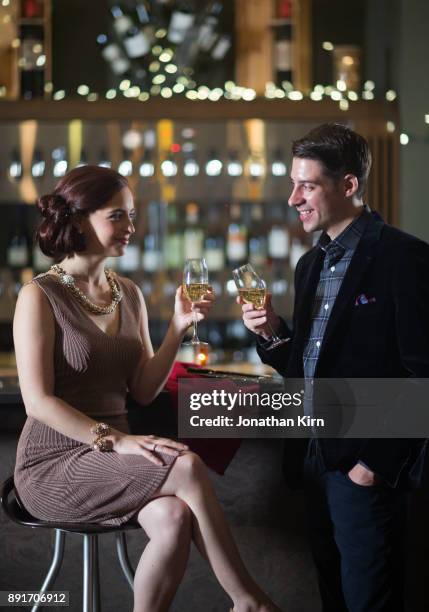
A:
x: 356, y: 536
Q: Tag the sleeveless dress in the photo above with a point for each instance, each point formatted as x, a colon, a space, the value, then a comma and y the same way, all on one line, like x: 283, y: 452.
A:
x: 59, y: 478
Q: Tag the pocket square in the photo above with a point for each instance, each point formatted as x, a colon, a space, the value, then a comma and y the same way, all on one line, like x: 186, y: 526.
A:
x: 363, y: 299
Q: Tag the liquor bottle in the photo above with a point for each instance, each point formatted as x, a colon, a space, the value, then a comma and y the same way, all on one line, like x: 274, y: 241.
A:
x: 236, y: 246
x: 32, y: 61
x: 182, y: 20
x: 193, y: 238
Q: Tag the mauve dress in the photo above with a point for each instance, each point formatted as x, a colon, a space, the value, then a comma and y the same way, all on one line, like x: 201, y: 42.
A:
x: 59, y: 478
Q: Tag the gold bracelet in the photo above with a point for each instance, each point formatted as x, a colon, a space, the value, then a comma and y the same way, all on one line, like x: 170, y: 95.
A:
x: 102, y: 444
x: 101, y: 430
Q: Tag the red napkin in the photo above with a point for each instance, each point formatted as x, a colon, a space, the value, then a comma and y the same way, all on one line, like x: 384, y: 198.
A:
x: 217, y: 453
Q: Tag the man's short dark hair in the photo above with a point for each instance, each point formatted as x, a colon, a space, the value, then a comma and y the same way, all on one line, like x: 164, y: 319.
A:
x: 340, y: 150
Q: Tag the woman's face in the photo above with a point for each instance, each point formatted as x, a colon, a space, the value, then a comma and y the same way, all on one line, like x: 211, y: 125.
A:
x: 108, y: 229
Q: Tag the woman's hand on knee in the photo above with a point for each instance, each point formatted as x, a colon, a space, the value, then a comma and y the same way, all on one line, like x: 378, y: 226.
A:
x: 148, y: 446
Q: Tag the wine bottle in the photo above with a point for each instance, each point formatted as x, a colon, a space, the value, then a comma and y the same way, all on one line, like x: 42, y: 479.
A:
x: 283, y: 42
x: 221, y: 47
x: 136, y: 42
x: 182, y: 20
x: 152, y: 254
x: 41, y: 262
x: 236, y: 246
x: 193, y: 238
x: 18, y: 247
x: 214, y: 244
x: 31, y: 61
x: 173, y: 242
x: 131, y: 259
x: 207, y: 32
x: 278, y: 237
x: 122, y: 20
x: 31, y: 9
x: 257, y: 238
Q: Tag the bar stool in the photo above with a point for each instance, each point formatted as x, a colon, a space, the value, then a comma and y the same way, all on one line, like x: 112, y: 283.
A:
x: 14, y: 509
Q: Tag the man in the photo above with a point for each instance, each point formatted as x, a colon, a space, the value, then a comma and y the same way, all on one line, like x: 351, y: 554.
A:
x: 361, y: 311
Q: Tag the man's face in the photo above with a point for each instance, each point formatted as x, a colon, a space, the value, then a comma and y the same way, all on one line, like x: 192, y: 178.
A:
x: 318, y: 199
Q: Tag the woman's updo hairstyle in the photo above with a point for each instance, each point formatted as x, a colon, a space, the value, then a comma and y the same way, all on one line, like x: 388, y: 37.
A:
x: 79, y: 193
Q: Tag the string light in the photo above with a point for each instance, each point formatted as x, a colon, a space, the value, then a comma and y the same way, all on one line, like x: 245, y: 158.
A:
x: 166, y: 92
x: 59, y: 95
x: 327, y: 46
x: 125, y: 84
x: 159, y: 79
x: 404, y: 139
x: 178, y: 88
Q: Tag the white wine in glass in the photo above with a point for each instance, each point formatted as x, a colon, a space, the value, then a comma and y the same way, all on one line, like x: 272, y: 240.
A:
x: 195, y: 291
x: 254, y: 296
x: 195, y: 286
x: 253, y: 290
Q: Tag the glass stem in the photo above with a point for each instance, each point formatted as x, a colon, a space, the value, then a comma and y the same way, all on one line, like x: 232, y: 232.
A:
x: 194, y: 338
x: 274, y: 335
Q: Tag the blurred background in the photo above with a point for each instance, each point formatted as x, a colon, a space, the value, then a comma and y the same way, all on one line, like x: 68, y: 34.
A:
x: 197, y: 103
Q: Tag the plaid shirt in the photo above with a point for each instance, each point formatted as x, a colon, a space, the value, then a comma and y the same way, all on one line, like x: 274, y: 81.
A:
x: 338, y: 255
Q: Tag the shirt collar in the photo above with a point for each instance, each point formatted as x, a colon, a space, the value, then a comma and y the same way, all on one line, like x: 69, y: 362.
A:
x: 349, y: 237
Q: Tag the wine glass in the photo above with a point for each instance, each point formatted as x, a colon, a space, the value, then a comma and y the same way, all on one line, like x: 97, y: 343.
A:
x: 195, y: 285
x: 253, y: 290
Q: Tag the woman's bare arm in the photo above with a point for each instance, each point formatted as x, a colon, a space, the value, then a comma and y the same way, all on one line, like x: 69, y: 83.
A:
x: 34, y: 336
x: 151, y: 373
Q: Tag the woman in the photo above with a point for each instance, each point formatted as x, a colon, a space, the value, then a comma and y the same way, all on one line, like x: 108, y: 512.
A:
x: 81, y: 339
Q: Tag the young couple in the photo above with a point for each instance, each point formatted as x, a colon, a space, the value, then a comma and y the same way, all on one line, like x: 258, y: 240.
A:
x: 82, y: 341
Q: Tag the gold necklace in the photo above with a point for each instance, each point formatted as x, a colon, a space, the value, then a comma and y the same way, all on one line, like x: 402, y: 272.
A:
x: 69, y: 282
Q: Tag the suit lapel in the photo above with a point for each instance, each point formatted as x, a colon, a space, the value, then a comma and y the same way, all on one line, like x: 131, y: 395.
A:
x: 360, y: 261
x: 307, y: 294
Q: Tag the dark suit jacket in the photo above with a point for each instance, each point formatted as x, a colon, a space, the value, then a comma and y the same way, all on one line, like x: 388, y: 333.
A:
x: 386, y: 338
